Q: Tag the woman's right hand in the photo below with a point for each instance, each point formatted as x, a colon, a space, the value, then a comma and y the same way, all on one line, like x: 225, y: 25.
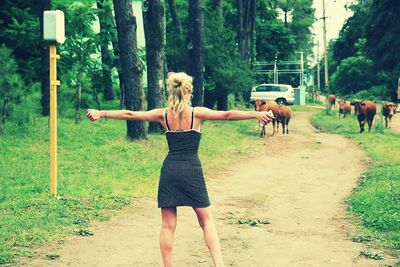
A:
x: 93, y: 114
x: 264, y: 117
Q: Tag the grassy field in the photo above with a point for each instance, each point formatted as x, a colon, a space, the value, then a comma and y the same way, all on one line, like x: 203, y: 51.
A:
x: 376, y: 200
x: 99, y: 173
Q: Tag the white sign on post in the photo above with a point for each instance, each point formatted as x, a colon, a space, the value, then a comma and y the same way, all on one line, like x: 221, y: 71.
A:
x: 53, y: 26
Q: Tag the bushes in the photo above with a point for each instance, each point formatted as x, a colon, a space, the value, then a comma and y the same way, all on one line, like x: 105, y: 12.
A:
x: 11, y: 85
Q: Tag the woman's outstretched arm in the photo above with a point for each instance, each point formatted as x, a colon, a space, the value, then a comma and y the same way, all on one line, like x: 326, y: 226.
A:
x: 151, y: 115
x: 209, y: 114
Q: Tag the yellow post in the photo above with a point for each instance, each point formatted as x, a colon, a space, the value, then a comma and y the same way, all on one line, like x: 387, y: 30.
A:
x: 53, y: 119
x: 398, y: 90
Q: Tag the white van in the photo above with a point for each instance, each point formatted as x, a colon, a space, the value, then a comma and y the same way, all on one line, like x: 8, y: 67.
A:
x: 282, y: 94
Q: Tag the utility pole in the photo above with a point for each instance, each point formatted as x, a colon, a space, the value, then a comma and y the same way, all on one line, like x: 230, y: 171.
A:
x: 276, y: 69
x: 318, y: 70
x: 327, y: 91
x: 302, y: 69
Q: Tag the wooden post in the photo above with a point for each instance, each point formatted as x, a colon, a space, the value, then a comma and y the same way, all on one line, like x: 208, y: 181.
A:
x: 53, y: 119
x: 326, y: 69
x: 398, y: 90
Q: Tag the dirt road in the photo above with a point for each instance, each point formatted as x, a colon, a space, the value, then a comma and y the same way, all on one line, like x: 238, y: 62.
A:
x: 395, y: 123
x: 298, y: 183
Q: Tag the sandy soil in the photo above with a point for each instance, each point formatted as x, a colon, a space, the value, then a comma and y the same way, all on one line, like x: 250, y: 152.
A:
x: 395, y: 123
x: 298, y: 183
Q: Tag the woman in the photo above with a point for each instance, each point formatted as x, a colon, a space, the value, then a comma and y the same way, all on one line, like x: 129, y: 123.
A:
x: 181, y: 180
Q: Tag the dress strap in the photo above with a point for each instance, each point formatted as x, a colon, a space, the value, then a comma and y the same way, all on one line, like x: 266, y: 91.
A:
x: 166, y: 120
x: 192, y: 124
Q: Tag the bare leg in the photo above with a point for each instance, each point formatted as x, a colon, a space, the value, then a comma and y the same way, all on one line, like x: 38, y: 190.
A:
x: 167, y: 234
x: 210, y: 234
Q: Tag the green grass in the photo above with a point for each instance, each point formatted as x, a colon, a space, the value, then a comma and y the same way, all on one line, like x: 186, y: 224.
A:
x: 307, y: 107
x: 376, y: 199
x: 99, y: 172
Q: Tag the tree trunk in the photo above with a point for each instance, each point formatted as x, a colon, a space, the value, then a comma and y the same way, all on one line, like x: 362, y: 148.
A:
x: 240, y: 33
x: 130, y: 65
x: 116, y: 63
x: 4, y: 112
x: 196, y: 49
x: 78, y: 98
x: 45, y: 64
x: 106, y: 59
x: 246, y: 25
x: 175, y: 17
x: 222, y: 97
x: 221, y: 91
x: 217, y: 4
x: 209, y: 98
x: 95, y: 94
x: 252, y: 34
x: 154, y: 30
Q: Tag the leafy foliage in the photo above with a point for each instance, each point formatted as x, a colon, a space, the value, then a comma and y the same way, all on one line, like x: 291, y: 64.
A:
x: 354, y: 73
x: 375, y: 24
x: 352, y: 31
x: 303, y: 19
x: 382, y: 32
x: 11, y: 84
x: 19, y: 30
x: 224, y: 69
x: 78, y: 66
x: 272, y: 37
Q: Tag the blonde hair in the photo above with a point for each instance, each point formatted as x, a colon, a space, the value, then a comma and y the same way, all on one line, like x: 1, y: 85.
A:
x: 180, y: 90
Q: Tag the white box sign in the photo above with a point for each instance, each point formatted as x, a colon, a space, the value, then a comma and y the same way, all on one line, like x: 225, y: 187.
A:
x: 53, y: 26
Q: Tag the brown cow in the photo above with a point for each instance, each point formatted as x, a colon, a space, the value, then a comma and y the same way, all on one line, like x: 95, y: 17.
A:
x: 283, y: 116
x: 262, y: 105
x: 344, y: 108
x: 365, y: 111
x: 388, y: 110
x: 331, y: 101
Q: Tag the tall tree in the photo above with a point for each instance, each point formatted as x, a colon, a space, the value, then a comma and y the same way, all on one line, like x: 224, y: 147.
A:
x: 44, y: 66
x: 175, y: 18
x: 272, y: 37
x: 246, y: 13
x: 302, y: 21
x: 11, y: 85
x: 382, y: 45
x: 154, y: 30
x: 176, y: 50
x: 77, y: 50
x: 220, y: 88
x: 20, y: 30
x: 196, y: 49
x: 130, y: 64
x: 225, y: 73
x: 106, y: 58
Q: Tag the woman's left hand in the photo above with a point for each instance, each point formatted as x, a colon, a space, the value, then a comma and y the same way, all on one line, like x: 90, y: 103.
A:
x: 264, y: 117
x: 93, y: 114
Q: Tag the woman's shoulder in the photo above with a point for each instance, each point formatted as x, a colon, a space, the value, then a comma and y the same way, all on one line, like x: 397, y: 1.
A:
x: 201, y: 109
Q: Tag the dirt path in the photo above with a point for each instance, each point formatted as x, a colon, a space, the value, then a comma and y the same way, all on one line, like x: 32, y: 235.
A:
x: 298, y: 183
x: 395, y: 124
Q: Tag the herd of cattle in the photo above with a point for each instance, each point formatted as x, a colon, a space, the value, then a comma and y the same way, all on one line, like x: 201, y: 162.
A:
x: 365, y: 110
